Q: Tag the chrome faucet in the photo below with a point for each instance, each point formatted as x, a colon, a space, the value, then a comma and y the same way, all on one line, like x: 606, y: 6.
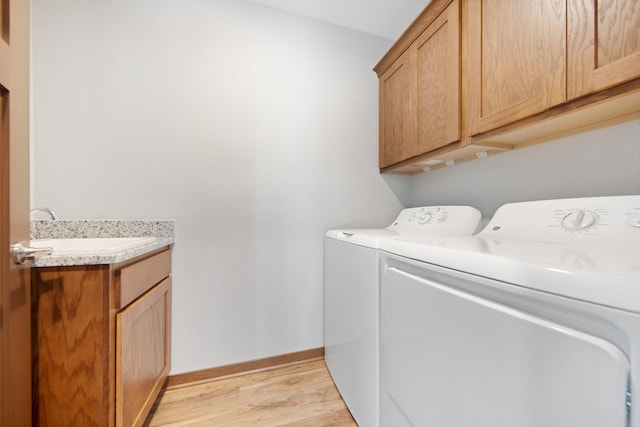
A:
x: 45, y: 210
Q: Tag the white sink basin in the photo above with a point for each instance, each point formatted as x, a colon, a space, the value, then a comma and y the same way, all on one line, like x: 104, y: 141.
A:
x: 91, y: 246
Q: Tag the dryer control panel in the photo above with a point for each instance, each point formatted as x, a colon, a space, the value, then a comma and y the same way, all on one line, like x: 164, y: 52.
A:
x: 614, y: 219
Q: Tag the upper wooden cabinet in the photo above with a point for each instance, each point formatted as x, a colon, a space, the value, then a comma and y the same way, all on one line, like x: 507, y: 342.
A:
x: 516, y: 60
x: 603, y: 40
x: 397, y: 99
x: 471, y: 78
x: 525, y: 57
x: 420, y: 91
x: 437, y: 57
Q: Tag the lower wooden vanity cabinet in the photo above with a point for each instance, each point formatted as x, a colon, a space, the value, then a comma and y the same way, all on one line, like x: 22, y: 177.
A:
x: 100, y: 341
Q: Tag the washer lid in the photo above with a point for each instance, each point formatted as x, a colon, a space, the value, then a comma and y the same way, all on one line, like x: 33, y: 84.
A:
x: 420, y: 221
x: 368, y: 237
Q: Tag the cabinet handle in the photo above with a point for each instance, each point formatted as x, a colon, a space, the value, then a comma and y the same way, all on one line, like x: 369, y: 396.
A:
x: 22, y: 254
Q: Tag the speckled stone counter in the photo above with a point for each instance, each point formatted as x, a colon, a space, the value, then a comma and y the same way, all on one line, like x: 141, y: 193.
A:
x: 97, y: 228
x: 162, y: 232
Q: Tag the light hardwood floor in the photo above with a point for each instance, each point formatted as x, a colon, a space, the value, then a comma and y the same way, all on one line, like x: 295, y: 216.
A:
x: 302, y: 394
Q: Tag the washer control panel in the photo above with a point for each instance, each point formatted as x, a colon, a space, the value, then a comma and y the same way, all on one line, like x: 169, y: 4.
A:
x: 424, y: 215
x: 442, y: 220
x: 615, y: 218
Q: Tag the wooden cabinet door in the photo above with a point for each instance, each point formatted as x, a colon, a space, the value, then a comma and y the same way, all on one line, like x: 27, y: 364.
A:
x: 15, y: 291
x: 437, y: 53
x: 142, y: 354
x: 603, y: 42
x: 516, y: 60
x: 397, y: 110
x: 420, y: 93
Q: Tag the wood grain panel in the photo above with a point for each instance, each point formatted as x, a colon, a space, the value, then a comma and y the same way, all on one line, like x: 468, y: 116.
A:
x: 516, y: 58
x: 424, y: 20
x: 15, y: 289
x: 397, y: 111
x: 420, y: 92
x: 71, y: 346
x: 438, y: 83
x: 137, y: 278
x: 142, y: 354
x: 603, y: 44
x: 298, y: 395
x: 618, y: 25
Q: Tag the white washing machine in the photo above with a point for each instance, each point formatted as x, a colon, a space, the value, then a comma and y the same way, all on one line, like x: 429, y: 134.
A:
x: 533, y: 322
x: 351, y: 305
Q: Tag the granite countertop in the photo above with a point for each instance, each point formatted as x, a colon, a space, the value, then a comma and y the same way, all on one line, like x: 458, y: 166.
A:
x: 162, y: 232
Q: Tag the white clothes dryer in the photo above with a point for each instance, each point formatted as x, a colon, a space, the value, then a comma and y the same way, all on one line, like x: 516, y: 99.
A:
x: 351, y: 298
x: 534, y: 321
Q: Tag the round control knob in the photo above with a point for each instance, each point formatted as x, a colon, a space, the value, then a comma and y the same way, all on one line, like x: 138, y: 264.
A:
x: 579, y: 220
x: 424, y: 218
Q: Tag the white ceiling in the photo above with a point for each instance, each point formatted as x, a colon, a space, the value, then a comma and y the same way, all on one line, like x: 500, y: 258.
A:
x: 385, y: 18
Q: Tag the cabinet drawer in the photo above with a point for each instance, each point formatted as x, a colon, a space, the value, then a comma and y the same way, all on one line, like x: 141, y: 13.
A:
x: 135, y: 279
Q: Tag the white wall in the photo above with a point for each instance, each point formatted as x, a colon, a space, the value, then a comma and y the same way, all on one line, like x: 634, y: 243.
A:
x: 604, y: 162
x: 255, y: 130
